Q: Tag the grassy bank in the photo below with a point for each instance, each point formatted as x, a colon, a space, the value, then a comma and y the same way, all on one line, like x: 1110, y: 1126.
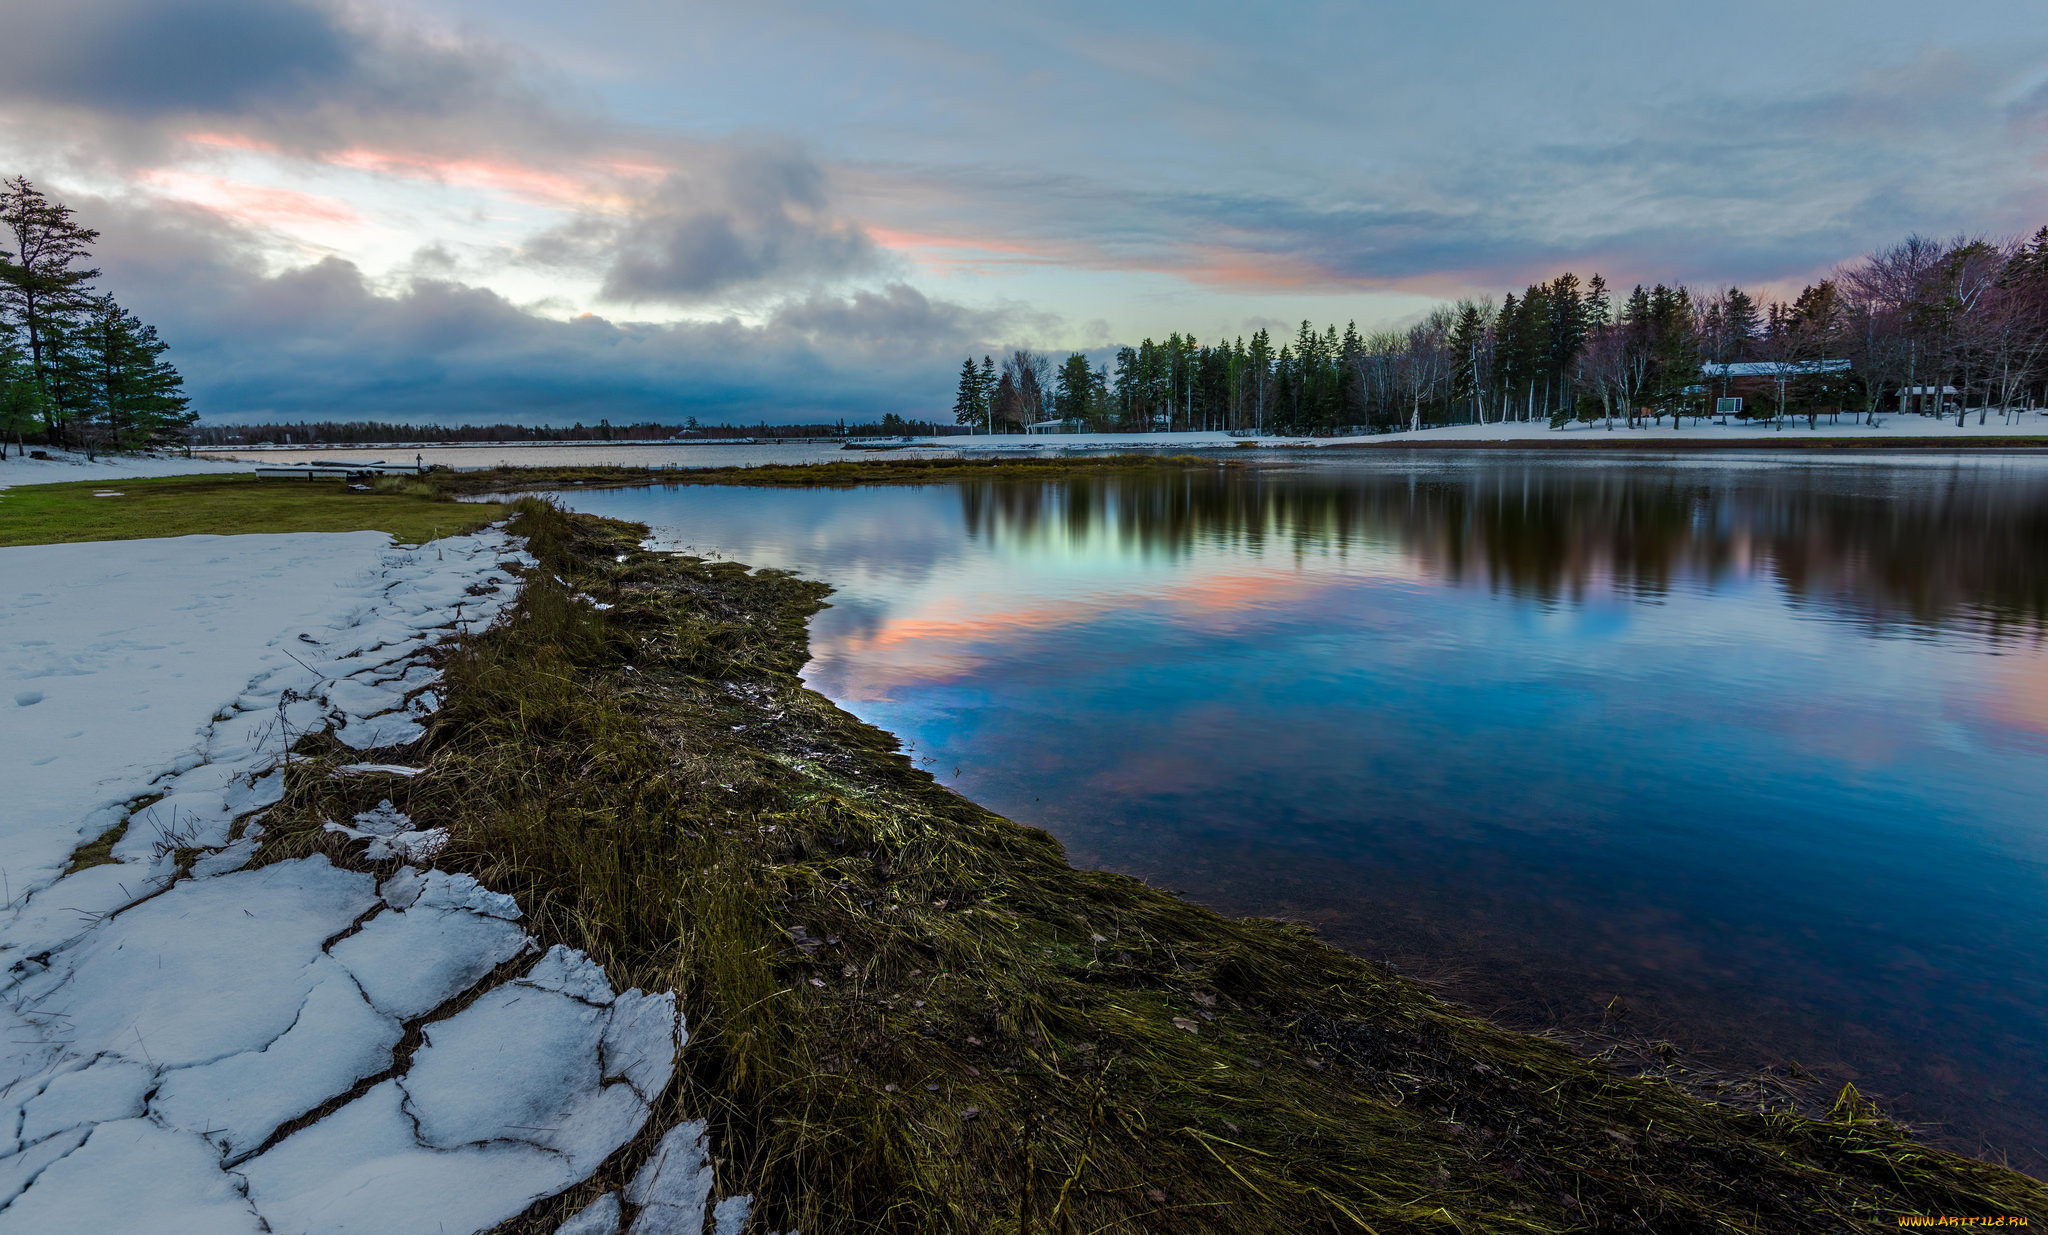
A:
x: 226, y: 505
x: 908, y: 1014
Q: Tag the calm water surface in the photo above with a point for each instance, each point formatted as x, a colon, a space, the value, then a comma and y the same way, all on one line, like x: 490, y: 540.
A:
x: 1759, y: 747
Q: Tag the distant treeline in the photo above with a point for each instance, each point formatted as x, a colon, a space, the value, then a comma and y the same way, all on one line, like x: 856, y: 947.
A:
x: 1934, y: 325
x: 383, y: 433
x: 76, y: 369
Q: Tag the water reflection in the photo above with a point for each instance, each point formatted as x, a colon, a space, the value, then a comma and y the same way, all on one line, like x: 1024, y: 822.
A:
x: 1757, y: 748
x: 1894, y: 546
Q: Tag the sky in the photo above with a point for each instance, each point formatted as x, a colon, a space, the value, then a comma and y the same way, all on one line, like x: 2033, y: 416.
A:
x: 504, y: 210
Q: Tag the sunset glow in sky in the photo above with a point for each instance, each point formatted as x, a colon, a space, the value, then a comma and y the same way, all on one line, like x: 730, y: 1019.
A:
x: 451, y: 209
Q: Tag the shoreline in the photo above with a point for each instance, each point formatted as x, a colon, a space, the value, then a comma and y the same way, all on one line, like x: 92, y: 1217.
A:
x: 908, y: 1013
x: 913, y: 1014
x: 1893, y: 432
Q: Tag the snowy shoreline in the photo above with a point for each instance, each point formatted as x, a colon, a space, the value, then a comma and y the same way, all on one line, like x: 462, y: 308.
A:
x: 195, y: 1044
x: 1925, y: 434
x: 1793, y: 436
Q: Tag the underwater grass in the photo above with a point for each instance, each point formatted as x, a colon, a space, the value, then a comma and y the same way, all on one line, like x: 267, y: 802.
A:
x: 909, y: 1014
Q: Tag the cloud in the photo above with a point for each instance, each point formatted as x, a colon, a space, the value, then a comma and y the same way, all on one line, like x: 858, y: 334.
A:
x: 149, y: 59
x: 1706, y: 184
x: 734, y: 217
x: 319, y: 341
x: 123, y: 83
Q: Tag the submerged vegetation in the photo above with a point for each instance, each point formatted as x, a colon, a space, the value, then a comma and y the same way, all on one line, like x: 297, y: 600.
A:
x: 910, y: 1014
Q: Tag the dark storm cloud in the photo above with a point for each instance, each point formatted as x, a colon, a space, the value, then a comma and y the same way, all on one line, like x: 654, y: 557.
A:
x: 732, y: 217
x: 122, y: 81
x: 320, y: 341
x: 149, y: 59
x: 891, y: 318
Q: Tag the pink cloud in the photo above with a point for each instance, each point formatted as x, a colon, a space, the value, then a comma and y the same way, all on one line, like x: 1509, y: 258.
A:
x: 261, y: 205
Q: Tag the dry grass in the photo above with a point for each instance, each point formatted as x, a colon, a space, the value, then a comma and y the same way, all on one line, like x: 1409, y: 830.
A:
x: 911, y: 1015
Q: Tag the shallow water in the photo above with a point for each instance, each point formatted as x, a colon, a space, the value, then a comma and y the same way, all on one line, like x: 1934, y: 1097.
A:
x: 1759, y: 747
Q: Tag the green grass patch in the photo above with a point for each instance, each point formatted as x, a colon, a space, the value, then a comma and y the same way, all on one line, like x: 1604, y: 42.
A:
x: 909, y: 1014
x: 410, y: 510
x: 98, y: 851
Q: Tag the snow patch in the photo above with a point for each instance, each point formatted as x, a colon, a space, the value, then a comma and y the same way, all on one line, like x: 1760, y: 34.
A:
x: 600, y: 1217
x: 673, y: 1187
x: 391, y: 835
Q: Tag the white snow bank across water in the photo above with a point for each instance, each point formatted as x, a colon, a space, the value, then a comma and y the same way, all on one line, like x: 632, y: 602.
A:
x: 1891, y: 425
x: 65, y: 465
x: 165, y: 1040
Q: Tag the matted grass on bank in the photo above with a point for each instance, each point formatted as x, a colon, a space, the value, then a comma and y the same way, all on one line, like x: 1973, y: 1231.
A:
x: 412, y: 512
x: 908, y: 1014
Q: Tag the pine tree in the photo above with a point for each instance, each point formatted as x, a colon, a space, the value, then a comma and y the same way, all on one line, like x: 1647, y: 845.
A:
x: 1259, y: 356
x: 1739, y: 319
x: 1510, y: 362
x: 1595, y: 309
x: 1567, y: 324
x: 1534, y: 345
x: 1070, y: 395
x: 43, y: 286
x: 20, y: 396
x: 1466, y: 340
x: 967, y: 409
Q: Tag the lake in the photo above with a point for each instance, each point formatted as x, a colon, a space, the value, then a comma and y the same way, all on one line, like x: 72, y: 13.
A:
x: 1756, y: 747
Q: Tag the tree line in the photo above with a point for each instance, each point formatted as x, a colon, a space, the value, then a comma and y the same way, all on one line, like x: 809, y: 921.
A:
x: 76, y: 368
x: 392, y: 433
x: 1943, y: 326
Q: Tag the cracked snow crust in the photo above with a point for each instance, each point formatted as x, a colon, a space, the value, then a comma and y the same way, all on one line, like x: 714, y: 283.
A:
x: 165, y: 1039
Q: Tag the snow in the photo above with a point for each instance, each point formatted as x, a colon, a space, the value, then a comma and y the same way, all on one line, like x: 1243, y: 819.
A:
x: 673, y: 1186
x: 336, y: 1040
x: 729, y: 1216
x: 444, y: 940
x: 391, y: 835
x: 1762, y: 433
x: 129, y: 647
x: 361, y: 1171
x: 1890, y: 425
x: 65, y: 465
x: 135, y: 1177
x: 600, y: 1217
x: 226, y: 1050
x: 249, y: 940
x: 105, y: 1089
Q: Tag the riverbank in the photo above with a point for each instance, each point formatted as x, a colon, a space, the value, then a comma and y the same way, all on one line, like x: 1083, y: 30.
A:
x: 203, y: 1034
x: 911, y: 1014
